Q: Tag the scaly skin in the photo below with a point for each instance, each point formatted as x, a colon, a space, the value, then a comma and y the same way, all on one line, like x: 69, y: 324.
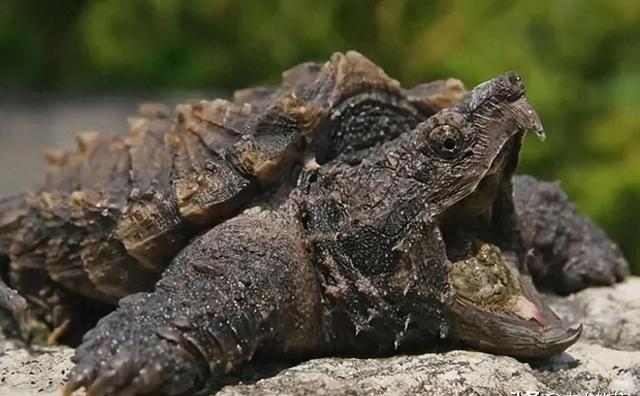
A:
x: 112, y: 214
x: 379, y: 248
x: 568, y: 251
x: 231, y: 292
x: 354, y: 262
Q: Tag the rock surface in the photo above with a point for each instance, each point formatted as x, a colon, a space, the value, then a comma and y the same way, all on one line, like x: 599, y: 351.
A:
x: 606, y: 360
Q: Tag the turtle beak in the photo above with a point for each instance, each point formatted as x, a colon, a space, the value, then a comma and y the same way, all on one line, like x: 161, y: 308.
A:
x: 526, y: 117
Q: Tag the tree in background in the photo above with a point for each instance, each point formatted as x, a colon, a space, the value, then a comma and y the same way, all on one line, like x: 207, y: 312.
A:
x: 579, y: 58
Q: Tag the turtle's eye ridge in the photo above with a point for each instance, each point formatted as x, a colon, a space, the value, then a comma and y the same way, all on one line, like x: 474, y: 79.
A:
x: 445, y: 141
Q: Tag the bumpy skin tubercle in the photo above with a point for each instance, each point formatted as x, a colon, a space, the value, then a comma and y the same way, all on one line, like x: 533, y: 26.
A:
x: 382, y: 219
x: 356, y: 260
x: 568, y: 251
x: 244, y: 285
x: 113, y: 213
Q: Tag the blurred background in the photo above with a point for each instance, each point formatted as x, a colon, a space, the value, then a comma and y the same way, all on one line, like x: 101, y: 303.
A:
x: 77, y: 65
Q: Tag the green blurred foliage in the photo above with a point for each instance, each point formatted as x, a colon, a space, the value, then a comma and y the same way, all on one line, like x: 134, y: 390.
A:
x: 580, y: 59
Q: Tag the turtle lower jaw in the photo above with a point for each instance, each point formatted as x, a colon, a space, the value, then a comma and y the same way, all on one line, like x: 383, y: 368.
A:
x: 509, y: 334
x: 493, y: 304
x: 494, y: 308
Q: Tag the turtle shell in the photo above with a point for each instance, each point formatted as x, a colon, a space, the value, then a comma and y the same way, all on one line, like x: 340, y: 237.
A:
x: 112, y: 213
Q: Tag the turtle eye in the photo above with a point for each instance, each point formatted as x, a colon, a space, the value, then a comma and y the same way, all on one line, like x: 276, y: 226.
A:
x: 445, y: 141
x: 513, y: 85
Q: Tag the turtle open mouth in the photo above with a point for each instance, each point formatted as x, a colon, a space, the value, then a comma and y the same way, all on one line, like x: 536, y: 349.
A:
x: 494, y: 306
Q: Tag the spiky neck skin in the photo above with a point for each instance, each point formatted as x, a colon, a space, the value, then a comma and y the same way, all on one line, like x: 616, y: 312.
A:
x: 380, y: 261
x: 376, y: 232
x: 394, y: 236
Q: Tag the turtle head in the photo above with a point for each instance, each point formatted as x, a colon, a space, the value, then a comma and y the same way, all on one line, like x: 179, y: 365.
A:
x: 468, y: 154
x: 462, y: 146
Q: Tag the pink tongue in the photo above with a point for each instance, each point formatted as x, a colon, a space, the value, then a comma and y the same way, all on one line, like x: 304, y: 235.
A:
x: 527, y: 310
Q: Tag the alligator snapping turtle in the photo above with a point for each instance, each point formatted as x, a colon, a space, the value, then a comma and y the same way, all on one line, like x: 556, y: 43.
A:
x: 381, y: 219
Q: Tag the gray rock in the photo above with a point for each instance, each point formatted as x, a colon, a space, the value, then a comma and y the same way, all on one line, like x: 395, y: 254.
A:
x: 38, y: 372
x: 583, y: 368
x: 607, y: 359
x: 610, y: 315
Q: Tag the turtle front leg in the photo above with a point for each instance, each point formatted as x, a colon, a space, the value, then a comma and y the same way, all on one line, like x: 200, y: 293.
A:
x: 568, y: 251
x: 17, y: 318
x: 13, y: 308
x: 245, y: 285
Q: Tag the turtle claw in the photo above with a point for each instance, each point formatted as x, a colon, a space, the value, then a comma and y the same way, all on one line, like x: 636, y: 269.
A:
x: 80, y: 376
x: 117, y: 376
x: 108, y: 374
x: 120, y: 358
x: 109, y: 379
x: 148, y: 378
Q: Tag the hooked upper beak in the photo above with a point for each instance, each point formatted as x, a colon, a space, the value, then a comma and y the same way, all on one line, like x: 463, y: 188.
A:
x: 526, y: 117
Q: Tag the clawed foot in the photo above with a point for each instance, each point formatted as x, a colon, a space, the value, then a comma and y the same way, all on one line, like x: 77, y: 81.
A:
x: 125, y: 358
x: 593, y: 261
x: 17, y: 319
x: 568, y: 251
